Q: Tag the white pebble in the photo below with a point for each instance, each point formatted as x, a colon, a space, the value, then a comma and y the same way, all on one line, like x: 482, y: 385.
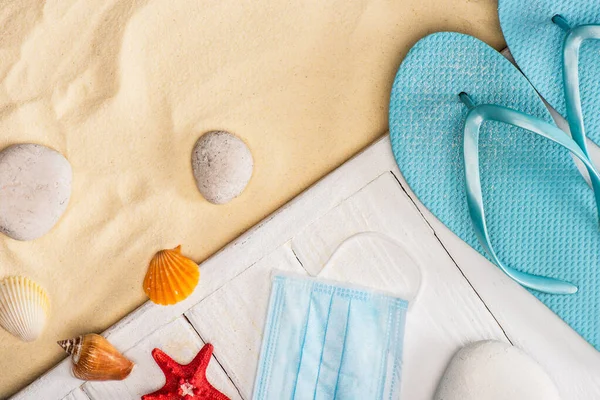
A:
x: 494, y: 370
x: 222, y: 165
x: 35, y: 187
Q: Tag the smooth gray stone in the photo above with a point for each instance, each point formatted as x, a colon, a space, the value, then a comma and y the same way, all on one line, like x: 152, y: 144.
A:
x: 222, y: 165
x: 494, y: 370
x: 35, y: 187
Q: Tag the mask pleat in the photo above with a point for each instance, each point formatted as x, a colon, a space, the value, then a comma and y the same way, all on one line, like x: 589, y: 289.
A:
x: 360, y: 370
x: 324, y: 341
x: 318, y: 322
x: 333, y: 348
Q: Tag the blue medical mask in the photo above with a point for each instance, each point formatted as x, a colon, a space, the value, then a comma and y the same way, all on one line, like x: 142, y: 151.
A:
x: 325, y: 340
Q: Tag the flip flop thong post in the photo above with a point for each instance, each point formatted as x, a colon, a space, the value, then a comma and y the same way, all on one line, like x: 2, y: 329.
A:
x: 556, y: 44
x: 456, y: 99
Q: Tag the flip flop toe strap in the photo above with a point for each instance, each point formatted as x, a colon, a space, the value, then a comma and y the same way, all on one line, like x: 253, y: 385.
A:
x: 574, y: 38
x: 475, y: 118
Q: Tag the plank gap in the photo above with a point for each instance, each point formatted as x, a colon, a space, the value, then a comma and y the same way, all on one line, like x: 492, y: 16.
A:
x: 296, y: 255
x: 214, y: 355
x: 450, y: 255
x: 77, y: 394
x: 85, y: 391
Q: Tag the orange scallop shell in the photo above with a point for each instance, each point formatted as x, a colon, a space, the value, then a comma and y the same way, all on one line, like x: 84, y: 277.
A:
x: 171, y: 277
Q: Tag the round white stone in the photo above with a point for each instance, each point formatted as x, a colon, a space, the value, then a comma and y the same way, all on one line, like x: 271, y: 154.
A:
x: 222, y: 165
x: 494, y: 370
x: 35, y: 187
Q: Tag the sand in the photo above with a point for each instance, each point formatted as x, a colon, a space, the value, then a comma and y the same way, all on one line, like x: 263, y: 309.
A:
x: 124, y: 89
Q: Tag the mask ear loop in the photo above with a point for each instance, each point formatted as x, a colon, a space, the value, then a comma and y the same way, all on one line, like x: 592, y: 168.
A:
x: 388, y: 240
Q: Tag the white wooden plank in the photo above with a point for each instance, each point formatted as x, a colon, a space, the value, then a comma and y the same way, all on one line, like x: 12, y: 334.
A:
x: 447, y: 313
x: 54, y: 384
x: 180, y: 341
x: 77, y: 394
x: 572, y: 363
x: 233, y: 317
x: 249, y: 248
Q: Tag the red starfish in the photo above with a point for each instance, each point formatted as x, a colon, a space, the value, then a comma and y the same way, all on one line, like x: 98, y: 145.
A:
x: 185, y: 382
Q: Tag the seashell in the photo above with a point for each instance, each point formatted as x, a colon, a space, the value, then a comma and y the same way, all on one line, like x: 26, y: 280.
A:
x: 95, y: 359
x: 24, y: 307
x: 171, y: 277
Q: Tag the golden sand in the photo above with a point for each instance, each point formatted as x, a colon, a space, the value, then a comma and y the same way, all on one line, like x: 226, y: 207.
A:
x: 125, y: 88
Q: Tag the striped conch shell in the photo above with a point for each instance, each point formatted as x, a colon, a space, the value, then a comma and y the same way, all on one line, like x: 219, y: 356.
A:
x: 95, y: 359
x: 171, y: 277
x: 23, y: 307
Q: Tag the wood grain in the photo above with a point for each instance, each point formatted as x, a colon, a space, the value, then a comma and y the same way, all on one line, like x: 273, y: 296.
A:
x: 233, y: 317
x: 445, y: 315
x: 181, y: 342
x: 77, y: 394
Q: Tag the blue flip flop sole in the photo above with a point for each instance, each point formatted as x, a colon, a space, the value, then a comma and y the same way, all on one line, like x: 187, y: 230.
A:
x: 540, y: 212
x: 536, y: 44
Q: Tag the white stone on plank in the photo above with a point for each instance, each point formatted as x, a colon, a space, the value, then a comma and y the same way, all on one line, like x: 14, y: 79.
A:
x: 495, y: 370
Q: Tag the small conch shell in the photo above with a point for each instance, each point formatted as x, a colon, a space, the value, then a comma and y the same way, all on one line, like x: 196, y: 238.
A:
x: 23, y: 307
x: 95, y: 359
x: 171, y: 277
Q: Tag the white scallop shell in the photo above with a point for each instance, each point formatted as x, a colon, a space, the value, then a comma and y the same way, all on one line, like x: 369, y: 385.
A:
x: 23, y: 307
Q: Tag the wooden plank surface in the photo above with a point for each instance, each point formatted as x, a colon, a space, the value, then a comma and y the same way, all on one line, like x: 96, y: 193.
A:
x: 446, y: 314
x: 77, y: 394
x: 233, y: 317
x: 181, y: 342
x: 572, y: 363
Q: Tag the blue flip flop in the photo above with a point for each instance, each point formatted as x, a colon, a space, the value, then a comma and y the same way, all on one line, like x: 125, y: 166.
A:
x: 556, y: 45
x: 479, y: 149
